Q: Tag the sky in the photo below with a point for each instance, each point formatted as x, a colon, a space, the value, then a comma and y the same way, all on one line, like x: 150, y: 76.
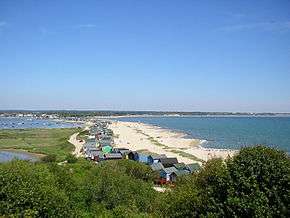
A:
x: 162, y: 55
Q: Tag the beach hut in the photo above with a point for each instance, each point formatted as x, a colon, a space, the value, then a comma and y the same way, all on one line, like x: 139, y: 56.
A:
x: 121, y: 150
x: 106, y: 149
x: 124, y: 152
x: 168, y: 162
x: 180, y: 166
x: 157, y: 167
x: 144, y: 158
x: 156, y: 158
x: 89, y: 151
x: 113, y: 156
x: 173, y: 176
x: 116, y: 150
x: 133, y: 155
x: 194, y: 167
x: 97, y: 156
x: 167, y: 172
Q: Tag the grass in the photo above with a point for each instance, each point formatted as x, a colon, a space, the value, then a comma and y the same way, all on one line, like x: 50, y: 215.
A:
x: 187, y: 155
x: 43, y: 141
x: 146, y: 152
x: 152, y: 140
x: 83, y: 135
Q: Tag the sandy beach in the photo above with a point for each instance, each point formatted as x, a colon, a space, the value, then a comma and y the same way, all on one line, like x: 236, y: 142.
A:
x: 156, y: 140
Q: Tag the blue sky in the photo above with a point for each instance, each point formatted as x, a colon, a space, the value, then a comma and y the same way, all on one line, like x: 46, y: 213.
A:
x: 145, y: 55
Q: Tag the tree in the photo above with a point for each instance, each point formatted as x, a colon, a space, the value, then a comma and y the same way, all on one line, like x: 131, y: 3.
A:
x: 260, y: 183
x: 29, y: 190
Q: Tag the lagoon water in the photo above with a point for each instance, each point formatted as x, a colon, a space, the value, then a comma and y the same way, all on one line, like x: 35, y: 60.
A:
x: 12, y: 155
x: 228, y: 132
x: 24, y: 123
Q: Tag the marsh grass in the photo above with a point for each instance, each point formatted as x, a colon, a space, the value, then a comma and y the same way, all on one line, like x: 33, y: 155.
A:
x: 187, y: 155
x: 83, y: 135
x: 43, y: 141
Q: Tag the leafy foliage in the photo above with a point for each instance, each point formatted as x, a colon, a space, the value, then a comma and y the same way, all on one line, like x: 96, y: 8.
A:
x: 260, y: 183
x: 81, y: 189
x: 30, y: 189
x: 71, y: 158
x: 254, y: 183
x: 48, y: 158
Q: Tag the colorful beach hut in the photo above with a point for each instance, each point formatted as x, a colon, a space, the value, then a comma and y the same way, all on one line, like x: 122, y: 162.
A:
x: 107, y: 149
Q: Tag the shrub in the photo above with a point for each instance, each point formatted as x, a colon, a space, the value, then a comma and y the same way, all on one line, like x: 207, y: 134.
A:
x: 71, y: 158
x: 260, y: 183
x: 30, y: 190
x: 49, y: 158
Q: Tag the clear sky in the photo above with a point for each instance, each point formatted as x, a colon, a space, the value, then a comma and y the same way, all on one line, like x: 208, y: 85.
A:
x: 180, y: 55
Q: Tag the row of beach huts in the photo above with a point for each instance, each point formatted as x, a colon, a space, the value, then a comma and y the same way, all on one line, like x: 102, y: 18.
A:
x: 99, y: 147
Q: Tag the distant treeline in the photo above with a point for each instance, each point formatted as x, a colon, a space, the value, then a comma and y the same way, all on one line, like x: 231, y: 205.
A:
x: 81, y: 113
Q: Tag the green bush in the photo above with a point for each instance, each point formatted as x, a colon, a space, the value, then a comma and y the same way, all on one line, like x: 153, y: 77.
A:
x: 71, y: 158
x: 112, y: 188
x: 260, y: 183
x: 30, y: 190
x: 254, y: 183
x: 48, y: 158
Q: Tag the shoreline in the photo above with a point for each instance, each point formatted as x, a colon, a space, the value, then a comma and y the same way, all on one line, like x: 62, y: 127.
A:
x: 158, y: 140
x: 23, y: 151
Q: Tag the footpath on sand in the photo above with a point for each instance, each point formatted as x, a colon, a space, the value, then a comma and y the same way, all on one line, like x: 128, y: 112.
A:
x: 78, y: 145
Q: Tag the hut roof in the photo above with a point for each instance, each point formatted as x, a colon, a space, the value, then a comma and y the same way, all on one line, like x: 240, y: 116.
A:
x: 180, y: 166
x: 107, y: 149
x: 181, y: 172
x: 96, y: 153
x: 120, y: 149
x: 193, y: 167
x: 170, y: 170
x: 156, y: 166
x: 159, y: 156
x: 124, y: 152
x: 169, y: 161
x: 113, y: 156
x: 93, y: 149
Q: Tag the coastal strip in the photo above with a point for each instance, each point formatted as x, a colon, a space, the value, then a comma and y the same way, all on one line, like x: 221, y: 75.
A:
x: 157, y: 140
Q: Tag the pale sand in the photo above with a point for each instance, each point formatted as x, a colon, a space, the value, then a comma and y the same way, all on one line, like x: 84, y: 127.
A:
x: 140, y: 136
x: 78, y: 145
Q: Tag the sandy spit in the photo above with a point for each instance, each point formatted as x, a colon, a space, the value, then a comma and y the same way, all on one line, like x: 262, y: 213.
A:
x: 153, y: 139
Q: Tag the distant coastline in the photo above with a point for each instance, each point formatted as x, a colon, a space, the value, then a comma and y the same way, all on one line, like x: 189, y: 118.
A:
x: 82, y: 114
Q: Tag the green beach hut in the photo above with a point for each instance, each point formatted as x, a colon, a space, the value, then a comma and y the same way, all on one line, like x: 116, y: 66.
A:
x: 107, y: 149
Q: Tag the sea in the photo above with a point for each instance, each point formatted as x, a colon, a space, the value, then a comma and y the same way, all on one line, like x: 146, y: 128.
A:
x: 227, y: 132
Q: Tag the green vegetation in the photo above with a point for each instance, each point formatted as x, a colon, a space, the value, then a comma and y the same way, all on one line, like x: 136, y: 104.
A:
x: 155, y: 142
x: 45, y: 141
x: 147, y: 152
x: 83, y: 189
x: 254, y: 183
x: 152, y: 140
x: 83, y: 135
x: 187, y: 155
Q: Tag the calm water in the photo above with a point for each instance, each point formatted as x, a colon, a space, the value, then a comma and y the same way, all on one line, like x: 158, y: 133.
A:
x: 11, y: 155
x: 24, y: 123
x: 229, y: 132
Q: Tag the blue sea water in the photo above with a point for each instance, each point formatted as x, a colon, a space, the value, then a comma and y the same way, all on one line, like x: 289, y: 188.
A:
x: 24, y: 123
x: 228, y: 132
